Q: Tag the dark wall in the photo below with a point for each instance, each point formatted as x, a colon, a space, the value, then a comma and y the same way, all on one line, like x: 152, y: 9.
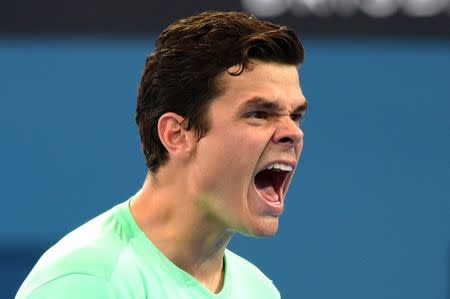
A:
x: 385, y: 17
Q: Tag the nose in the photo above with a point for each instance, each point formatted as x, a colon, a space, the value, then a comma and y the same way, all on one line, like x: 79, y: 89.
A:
x: 287, y: 133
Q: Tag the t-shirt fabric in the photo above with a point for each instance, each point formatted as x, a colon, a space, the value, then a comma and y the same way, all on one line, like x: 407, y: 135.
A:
x: 110, y: 257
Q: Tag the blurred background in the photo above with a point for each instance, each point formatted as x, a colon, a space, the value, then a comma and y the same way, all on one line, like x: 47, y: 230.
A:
x: 368, y: 215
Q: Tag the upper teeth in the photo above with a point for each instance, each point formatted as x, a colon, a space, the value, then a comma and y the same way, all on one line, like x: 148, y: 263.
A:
x: 280, y: 166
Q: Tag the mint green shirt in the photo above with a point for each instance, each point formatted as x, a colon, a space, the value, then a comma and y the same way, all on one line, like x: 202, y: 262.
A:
x: 110, y: 257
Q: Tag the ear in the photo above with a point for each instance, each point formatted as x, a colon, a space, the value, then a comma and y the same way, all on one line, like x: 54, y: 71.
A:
x: 178, y: 141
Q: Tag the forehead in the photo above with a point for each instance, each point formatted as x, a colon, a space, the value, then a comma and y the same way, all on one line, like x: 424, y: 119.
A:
x: 267, y: 80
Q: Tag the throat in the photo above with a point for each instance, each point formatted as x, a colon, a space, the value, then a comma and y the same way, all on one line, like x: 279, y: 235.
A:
x: 215, y: 283
x: 209, y: 274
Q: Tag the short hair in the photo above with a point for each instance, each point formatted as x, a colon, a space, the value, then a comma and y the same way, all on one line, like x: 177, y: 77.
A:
x: 182, y: 74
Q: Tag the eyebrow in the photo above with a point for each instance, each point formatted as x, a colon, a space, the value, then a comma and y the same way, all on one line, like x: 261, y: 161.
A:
x: 260, y: 102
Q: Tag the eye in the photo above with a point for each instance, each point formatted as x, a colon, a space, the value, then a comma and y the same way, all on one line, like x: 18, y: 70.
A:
x: 298, y: 118
x: 258, y: 115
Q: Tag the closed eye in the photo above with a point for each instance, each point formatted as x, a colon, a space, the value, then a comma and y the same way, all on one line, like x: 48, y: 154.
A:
x: 298, y: 118
x: 258, y: 114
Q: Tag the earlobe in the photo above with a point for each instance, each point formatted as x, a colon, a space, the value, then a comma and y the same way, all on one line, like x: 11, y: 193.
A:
x: 173, y: 135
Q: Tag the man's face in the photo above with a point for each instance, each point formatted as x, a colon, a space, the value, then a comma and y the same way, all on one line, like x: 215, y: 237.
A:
x: 242, y: 167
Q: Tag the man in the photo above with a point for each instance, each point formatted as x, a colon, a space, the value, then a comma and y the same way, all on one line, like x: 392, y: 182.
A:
x: 219, y: 112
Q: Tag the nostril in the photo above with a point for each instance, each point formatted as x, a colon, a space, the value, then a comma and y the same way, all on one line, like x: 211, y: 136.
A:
x: 286, y: 140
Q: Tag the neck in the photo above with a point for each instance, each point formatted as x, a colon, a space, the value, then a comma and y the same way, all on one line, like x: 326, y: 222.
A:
x: 175, y: 223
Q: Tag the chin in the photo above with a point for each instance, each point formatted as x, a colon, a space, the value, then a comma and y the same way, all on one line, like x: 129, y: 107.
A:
x: 262, y: 228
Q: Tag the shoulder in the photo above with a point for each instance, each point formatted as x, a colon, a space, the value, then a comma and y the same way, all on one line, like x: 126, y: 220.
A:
x: 245, y: 273
x: 88, y: 254
x: 70, y: 286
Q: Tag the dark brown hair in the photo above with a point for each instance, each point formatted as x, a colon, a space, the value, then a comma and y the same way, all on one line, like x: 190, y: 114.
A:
x: 181, y: 75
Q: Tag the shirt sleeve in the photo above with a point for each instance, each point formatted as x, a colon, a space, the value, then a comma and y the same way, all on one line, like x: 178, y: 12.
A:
x: 73, y: 286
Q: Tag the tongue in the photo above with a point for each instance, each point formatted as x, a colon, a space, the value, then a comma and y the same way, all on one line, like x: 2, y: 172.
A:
x: 263, y: 182
x: 270, y: 194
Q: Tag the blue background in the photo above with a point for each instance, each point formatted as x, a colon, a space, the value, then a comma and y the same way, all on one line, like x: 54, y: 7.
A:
x: 368, y: 215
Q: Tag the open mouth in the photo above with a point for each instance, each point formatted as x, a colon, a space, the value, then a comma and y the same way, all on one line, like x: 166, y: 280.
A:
x: 270, y: 182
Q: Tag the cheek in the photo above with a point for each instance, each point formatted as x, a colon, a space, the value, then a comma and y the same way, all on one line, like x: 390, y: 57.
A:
x: 298, y: 149
x: 233, y: 150
x: 229, y: 143
x: 229, y: 160
x: 243, y: 148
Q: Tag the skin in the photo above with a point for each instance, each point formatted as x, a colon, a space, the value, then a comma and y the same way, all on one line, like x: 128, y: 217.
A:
x: 205, y: 193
